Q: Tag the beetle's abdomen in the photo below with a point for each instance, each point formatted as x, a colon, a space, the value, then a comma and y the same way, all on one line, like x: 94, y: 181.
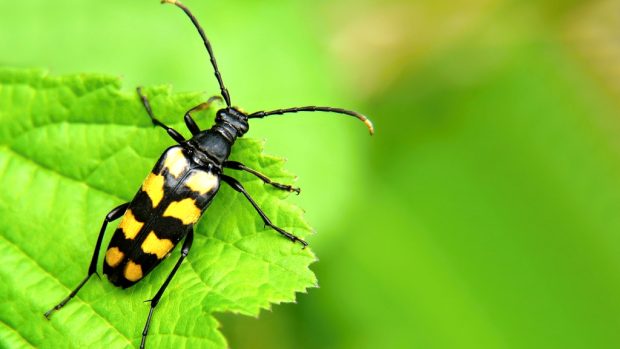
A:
x: 169, y: 202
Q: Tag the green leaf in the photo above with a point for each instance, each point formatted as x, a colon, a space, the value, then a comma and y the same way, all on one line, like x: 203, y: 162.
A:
x: 74, y: 147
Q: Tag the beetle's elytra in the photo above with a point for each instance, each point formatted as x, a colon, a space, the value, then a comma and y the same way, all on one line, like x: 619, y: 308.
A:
x: 167, y: 205
x: 180, y: 187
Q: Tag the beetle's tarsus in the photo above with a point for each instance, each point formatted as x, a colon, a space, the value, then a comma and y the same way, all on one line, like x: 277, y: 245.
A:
x: 49, y: 313
x: 286, y: 187
x: 302, y: 242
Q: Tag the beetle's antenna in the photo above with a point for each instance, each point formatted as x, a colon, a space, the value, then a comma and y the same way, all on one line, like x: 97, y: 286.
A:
x: 262, y: 114
x: 189, y: 14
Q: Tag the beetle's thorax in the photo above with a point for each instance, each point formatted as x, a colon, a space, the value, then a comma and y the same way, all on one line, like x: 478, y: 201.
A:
x: 217, y: 141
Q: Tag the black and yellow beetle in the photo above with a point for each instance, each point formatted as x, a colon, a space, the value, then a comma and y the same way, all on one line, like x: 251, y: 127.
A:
x: 178, y: 190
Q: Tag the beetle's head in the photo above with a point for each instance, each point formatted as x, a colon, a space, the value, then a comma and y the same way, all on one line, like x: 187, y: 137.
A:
x: 232, y: 120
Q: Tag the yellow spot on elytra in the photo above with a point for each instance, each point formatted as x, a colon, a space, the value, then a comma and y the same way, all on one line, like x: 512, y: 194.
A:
x: 202, y: 182
x: 153, y: 186
x: 130, y: 226
x: 153, y: 244
x: 185, y: 210
x: 175, y: 161
x: 133, y: 271
x: 114, y: 256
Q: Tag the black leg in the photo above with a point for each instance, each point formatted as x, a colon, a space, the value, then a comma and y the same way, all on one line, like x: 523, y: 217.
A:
x: 238, y: 187
x: 189, y: 122
x: 173, y: 133
x: 187, y: 244
x: 234, y: 165
x: 115, y: 214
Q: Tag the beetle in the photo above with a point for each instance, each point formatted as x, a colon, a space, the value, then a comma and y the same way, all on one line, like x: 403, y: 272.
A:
x: 179, y: 189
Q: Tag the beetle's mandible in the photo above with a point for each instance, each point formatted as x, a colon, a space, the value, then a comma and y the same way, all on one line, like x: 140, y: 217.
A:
x: 179, y: 188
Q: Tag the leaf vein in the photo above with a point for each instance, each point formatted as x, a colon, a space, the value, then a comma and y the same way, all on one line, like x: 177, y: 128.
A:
x: 14, y: 330
x: 60, y: 174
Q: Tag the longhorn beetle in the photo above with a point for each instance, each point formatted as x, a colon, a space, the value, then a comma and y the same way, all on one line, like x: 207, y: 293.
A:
x: 181, y: 186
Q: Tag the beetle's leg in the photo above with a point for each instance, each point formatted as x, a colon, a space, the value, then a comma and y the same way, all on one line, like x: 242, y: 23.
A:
x: 172, y: 132
x: 187, y: 244
x: 113, y: 215
x: 234, y: 165
x: 189, y: 122
x: 238, y: 187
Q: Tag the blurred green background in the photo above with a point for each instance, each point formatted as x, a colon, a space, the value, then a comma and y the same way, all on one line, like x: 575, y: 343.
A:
x: 485, y: 213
